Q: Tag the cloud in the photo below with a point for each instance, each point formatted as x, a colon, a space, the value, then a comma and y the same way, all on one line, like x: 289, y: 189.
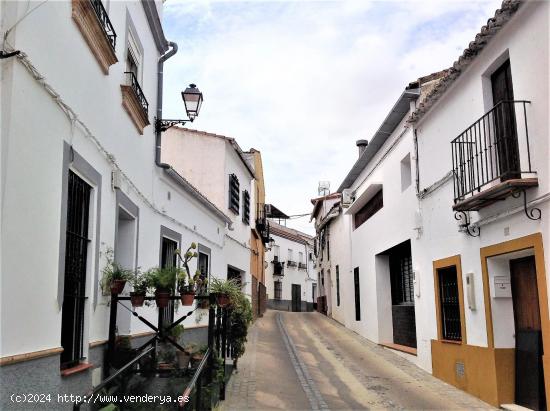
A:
x: 302, y: 80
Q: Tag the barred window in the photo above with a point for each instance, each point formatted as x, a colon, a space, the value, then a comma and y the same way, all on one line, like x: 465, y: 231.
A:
x: 246, y: 207
x: 234, y: 193
x: 278, y: 287
x: 449, y: 304
x: 338, y: 286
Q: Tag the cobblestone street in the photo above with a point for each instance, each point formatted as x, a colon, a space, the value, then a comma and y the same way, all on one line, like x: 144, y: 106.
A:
x: 305, y: 361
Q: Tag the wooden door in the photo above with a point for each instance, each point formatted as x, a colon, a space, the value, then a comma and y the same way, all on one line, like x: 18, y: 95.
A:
x: 529, y: 372
x: 504, y: 118
x: 296, y: 297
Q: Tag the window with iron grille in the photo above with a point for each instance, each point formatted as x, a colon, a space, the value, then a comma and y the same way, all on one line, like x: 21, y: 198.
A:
x: 76, y: 255
x: 278, y: 290
x: 357, y: 294
x: 338, y: 286
x: 246, y: 207
x: 234, y: 193
x: 168, y: 260
x: 402, y: 278
x: 449, y: 304
x: 369, y: 209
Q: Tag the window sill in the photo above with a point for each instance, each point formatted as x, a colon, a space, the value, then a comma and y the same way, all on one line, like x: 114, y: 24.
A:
x: 85, y: 18
x: 451, y: 342
x: 76, y: 369
x: 131, y: 103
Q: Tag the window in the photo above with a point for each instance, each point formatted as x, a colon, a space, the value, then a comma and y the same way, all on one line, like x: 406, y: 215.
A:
x: 246, y: 207
x: 276, y: 251
x: 76, y: 255
x: 168, y: 259
x: 203, y: 265
x: 233, y: 273
x: 290, y: 255
x: 402, y: 278
x: 301, y: 257
x: 328, y: 249
x: 449, y: 304
x: 406, y: 172
x: 278, y: 289
x: 338, y: 286
x: 357, y: 294
x: 234, y: 193
x: 369, y: 209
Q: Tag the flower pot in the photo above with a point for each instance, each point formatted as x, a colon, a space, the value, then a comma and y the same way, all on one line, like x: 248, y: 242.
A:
x: 162, y: 298
x: 137, y: 299
x: 223, y: 300
x: 183, y: 359
x: 187, y: 298
x: 117, y: 286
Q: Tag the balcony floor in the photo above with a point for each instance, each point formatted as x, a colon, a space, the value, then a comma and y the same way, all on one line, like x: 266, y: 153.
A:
x: 493, y: 194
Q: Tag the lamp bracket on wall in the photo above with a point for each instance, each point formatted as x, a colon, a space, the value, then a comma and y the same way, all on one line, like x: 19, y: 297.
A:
x: 532, y: 214
x: 466, y: 225
x: 163, y: 125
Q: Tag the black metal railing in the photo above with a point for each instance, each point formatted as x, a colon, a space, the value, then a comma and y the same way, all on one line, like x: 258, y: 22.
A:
x: 195, y: 386
x: 262, y: 223
x: 494, y: 148
x: 133, y: 82
x: 302, y: 266
x: 278, y: 268
x: 291, y: 263
x: 104, y: 21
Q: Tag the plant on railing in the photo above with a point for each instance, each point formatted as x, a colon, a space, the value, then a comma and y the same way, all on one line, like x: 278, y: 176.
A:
x: 189, y: 284
x: 241, y: 317
x: 114, y: 276
x: 164, y: 282
x: 141, y: 282
x: 226, y: 290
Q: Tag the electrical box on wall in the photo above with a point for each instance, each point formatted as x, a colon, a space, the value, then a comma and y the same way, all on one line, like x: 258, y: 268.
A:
x: 502, y: 287
x: 470, y: 291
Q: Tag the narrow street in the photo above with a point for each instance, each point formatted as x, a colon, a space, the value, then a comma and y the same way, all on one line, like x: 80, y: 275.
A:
x: 302, y: 361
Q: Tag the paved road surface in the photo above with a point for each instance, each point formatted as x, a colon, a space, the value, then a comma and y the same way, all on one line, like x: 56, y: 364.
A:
x: 305, y: 361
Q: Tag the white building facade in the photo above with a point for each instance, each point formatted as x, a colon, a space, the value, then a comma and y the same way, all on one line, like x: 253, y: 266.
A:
x: 218, y: 167
x: 79, y: 177
x: 449, y: 216
x: 289, y: 275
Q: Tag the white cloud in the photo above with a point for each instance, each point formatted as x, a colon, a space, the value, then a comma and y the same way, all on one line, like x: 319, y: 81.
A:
x: 302, y: 80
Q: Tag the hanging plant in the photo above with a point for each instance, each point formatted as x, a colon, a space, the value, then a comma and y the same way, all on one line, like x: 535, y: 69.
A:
x: 114, y: 276
x: 141, y: 283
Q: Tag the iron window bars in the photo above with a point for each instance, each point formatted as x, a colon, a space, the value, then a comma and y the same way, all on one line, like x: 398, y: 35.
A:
x: 369, y: 209
x: 234, y: 193
x: 278, y: 268
x: 246, y: 207
x: 262, y: 224
x: 76, y: 253
x: 489, y: 149
x: 278, y: 290
x: 104, y: 21
x: 139, y: 92
x: 449, y: 304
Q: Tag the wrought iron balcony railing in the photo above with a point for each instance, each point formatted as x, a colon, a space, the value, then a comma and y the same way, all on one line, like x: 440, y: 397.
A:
x: 278, y: 268
x: 104, y: 21
x: 493, y: 150
x: 291, y: 263
x: 133, y: 82
x: 302, y: 266
x: 262, y: 223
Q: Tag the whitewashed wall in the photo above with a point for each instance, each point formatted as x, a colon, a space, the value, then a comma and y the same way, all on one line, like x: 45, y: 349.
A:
x: 34, y: 130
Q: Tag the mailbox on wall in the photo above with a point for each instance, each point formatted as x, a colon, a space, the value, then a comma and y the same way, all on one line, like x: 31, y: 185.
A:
x: 502, y: 287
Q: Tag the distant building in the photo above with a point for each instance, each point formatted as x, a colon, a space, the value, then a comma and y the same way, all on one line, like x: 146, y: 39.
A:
x: 290, y: 277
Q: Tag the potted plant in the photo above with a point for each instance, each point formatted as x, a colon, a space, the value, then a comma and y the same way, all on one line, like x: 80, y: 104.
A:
x: 163, y: 280
x: 197, y: 354
x: 187, y: 291
x: 225, y: 290
x: 141, y: 283
x: 114, y: 276
x: 241, y: 318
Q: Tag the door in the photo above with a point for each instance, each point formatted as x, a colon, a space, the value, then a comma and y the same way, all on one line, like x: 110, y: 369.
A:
x: 168, y: 260
x: 357, y: 294
x: 505, y: 123
x: 529, y: 372
x: 296, y: 298
x: 76, y: 257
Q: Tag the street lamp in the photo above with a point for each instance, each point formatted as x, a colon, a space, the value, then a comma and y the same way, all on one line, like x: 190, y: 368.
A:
x: 192, y: 98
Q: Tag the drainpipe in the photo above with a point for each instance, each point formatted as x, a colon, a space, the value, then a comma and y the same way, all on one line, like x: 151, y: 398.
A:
x: 160, y: 78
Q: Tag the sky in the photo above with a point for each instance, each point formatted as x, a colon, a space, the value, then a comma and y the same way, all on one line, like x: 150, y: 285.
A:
x: 301, y: 81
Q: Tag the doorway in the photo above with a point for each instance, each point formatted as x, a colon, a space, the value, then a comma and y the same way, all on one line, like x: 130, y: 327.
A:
x: 504, y: 118
x: 296, y: 297
x: 529, y: 387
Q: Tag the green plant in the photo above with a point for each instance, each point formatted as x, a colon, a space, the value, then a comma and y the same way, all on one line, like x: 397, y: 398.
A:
x: 230, y: 287
x: 176, y: 332
x: 241, y: 317
x: 113, y: 271
x: 194, y: 282
x: 141, y: 282
x: 163, y: 278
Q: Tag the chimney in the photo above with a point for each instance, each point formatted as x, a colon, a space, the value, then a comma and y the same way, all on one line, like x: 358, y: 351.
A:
x: 362, y: 144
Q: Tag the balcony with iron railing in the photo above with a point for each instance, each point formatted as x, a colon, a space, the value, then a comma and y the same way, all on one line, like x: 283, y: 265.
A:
x: 290, y: 263
x: 302, y: 266
x: 262, y: 223
x: 134, y: 101
x: 492, y: 158
x: 278, y: 266
x: 93, y: 22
